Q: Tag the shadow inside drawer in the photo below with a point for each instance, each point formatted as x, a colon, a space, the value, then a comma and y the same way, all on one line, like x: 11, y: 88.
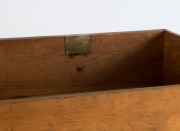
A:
x: 39, y: 66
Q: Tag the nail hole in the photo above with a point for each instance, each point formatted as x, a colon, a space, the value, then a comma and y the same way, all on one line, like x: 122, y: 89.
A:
x: 79, y: 68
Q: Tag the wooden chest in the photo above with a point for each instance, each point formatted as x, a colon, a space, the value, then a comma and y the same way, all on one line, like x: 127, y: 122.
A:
x: 98, y: 82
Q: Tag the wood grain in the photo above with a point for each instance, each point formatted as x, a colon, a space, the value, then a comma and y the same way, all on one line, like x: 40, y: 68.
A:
x: 145, y: 109
x: 172, y: 58
x: 39, y: 66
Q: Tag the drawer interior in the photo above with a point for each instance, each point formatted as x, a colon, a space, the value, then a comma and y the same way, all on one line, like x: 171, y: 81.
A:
x: 39, y: 66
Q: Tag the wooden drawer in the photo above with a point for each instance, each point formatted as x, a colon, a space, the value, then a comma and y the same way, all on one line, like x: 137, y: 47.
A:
x: 128, y: 81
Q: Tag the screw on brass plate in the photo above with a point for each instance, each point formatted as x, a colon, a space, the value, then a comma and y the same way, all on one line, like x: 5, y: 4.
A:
x: 80, y: 68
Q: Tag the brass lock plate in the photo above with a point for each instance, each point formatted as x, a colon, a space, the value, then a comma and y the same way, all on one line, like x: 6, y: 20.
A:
x: 77, y: 44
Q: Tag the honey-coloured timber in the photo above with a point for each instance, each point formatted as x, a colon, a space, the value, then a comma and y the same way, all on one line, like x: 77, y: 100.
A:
x: 127, y: 81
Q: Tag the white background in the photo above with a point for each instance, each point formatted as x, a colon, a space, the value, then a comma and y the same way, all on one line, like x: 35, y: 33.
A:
x: 24, y: 18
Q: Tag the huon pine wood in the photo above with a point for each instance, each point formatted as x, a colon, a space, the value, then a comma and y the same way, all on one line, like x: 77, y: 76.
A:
x: 128, y: 82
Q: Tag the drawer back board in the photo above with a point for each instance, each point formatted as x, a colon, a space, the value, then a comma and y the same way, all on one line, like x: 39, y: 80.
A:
x: 39, y: 66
